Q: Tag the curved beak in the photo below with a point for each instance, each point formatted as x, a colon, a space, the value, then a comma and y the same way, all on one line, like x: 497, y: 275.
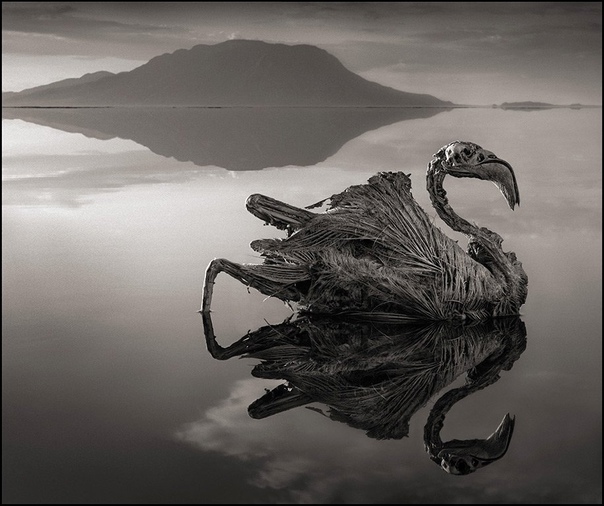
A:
x: 492, y: 169
x: 502, y: 175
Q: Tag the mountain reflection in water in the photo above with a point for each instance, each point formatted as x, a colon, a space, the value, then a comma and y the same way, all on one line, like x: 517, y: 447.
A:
x: 232, y: 138
x: 376, y: 375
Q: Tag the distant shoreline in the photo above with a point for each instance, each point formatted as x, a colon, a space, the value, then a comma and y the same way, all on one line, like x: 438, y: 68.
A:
x: 448, y: 107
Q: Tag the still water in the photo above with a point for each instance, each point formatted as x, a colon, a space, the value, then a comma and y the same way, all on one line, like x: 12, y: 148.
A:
x: 109, y: 393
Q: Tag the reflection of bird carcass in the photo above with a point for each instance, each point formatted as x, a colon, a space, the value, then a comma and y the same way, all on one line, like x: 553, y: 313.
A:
x: 375, y: 376
x: 375, y: 250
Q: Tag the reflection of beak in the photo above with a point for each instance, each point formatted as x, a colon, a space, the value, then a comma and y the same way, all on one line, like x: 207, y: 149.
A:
x: 501, y: 173
x: 500, y: 439
x: 484, y: 450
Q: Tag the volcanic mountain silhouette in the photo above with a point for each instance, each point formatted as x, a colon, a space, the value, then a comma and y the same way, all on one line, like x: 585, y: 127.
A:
x: 231, y: 73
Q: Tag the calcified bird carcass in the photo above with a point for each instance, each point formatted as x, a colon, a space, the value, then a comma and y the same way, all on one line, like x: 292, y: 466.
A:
x: 376, y: 252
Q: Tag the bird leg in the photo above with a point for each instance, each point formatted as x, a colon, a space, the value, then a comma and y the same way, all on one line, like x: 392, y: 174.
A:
x: 279, y: 280
x: 279, y: 214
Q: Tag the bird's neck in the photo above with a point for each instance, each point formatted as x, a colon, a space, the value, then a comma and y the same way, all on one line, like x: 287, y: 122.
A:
x: 484, y: 245
x: 438, y: 196
x: 489, y: 242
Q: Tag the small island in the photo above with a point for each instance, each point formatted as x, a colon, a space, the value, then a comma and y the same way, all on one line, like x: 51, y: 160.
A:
x: 533, y: 106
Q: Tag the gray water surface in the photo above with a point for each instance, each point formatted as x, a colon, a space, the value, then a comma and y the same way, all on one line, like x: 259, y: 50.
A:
x: 108, y: 391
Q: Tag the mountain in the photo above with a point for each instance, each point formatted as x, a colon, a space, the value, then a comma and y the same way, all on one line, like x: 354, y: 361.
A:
x: 232, y: 73
x: 58, y: 85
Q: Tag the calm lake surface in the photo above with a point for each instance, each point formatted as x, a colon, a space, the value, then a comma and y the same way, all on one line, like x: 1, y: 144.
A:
x: 108, y: 223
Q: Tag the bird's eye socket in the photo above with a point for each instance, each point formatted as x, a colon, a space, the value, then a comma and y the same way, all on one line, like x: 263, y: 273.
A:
x: 474, y: 462
x: 463, y: 467
x: 480, y: 157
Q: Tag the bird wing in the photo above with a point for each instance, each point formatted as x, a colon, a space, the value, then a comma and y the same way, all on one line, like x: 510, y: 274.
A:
x: 375, y: 237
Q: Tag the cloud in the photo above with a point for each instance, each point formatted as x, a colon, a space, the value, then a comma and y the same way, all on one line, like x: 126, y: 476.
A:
x: 306, y: 458
x: 40, y: 29
x: 318, y: 464
x: 72, y: 180
x: 64, y: 21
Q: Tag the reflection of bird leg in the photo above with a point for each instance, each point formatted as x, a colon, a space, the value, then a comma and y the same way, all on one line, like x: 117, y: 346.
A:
x: 262, y: 339
x: 279, y: 214
x: 278, y: 279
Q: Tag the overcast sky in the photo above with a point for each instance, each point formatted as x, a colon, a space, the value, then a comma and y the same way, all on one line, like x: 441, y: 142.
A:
x: 466, y: 52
